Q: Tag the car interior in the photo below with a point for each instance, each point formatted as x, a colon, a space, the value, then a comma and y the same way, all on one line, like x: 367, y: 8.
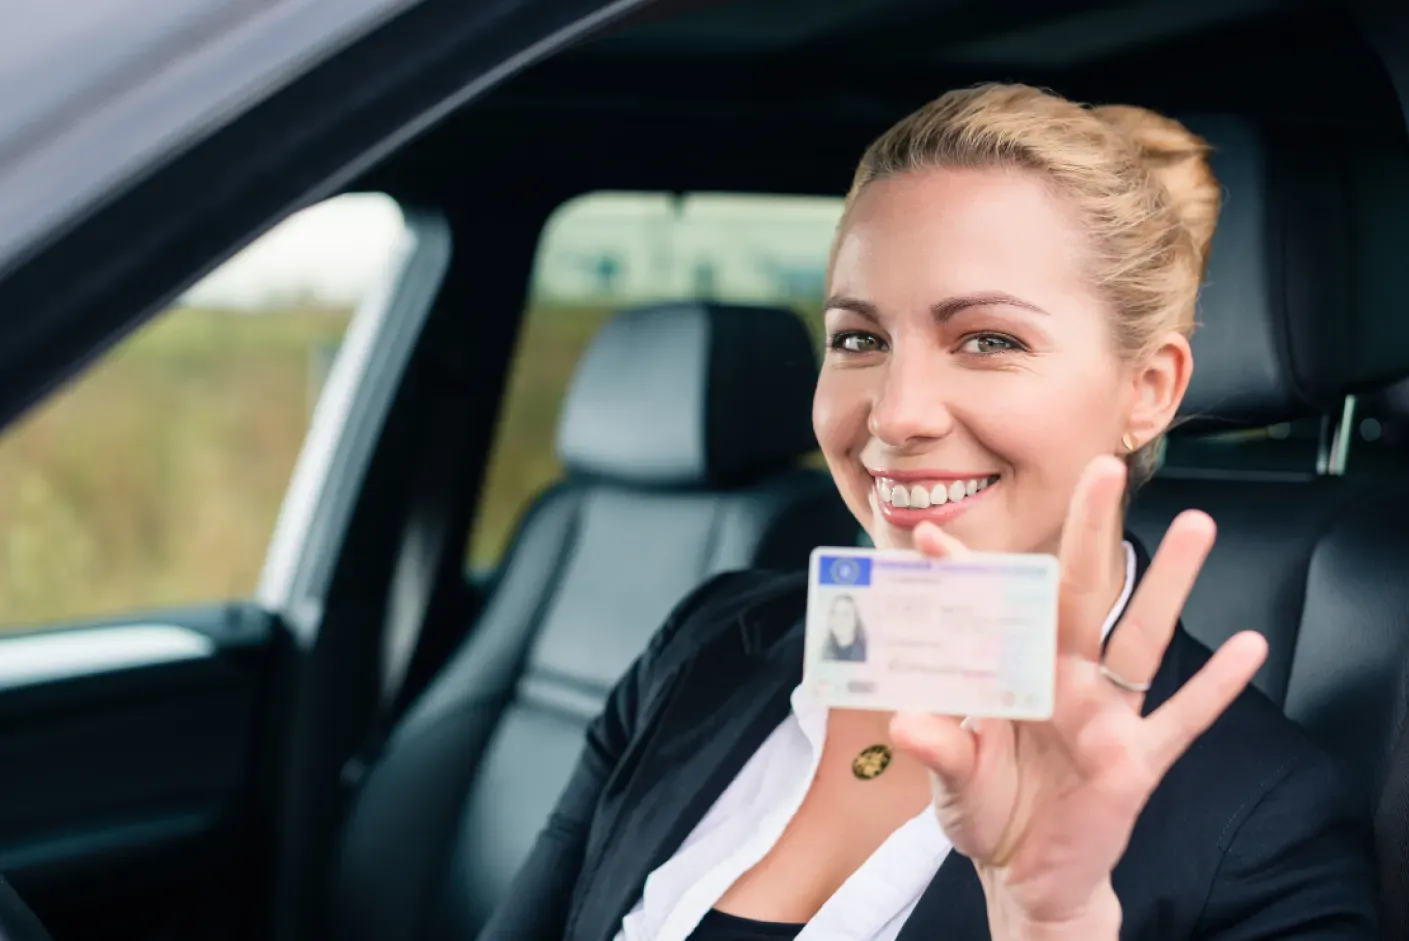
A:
x: 366, y: 745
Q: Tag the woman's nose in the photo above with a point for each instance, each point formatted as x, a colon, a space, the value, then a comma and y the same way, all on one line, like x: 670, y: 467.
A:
x: 911, y: 406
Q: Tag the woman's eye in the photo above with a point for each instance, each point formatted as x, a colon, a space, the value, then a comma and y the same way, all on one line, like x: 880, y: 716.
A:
x: 853, y: 342
x: 988, y: 344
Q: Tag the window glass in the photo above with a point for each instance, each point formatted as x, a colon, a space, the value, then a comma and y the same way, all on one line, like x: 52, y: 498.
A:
x: 154, y: 478
x: 605, y: 252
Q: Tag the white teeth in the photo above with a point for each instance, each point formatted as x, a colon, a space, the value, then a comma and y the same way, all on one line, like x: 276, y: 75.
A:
x: 918, y: 497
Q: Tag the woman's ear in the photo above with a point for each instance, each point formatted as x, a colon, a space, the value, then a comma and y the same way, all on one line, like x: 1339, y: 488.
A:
x: 1159, y: 381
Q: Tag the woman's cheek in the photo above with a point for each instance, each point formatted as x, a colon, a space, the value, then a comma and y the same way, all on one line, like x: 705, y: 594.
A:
x: 839, y: 413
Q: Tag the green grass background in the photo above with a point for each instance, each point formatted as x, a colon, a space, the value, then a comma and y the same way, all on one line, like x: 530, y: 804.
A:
x: 155, y: 478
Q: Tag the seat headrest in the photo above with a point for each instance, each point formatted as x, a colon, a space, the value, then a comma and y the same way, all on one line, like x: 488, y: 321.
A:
x: 1301, y: 303
x: 691, y: 394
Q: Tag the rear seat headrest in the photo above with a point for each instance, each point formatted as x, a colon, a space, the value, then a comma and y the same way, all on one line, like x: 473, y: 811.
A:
x: 1301, y: 303
x: 691, y: 394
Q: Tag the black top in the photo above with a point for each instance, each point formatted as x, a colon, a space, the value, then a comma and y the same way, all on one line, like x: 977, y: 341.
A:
x: 719, y: 926
x: 854, y: 652
x: 1254, y: 834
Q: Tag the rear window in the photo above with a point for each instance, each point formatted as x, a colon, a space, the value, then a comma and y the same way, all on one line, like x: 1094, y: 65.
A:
x: 605, y: 252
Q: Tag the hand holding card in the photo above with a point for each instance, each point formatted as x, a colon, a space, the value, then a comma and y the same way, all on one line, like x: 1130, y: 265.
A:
x: 1044, y: 809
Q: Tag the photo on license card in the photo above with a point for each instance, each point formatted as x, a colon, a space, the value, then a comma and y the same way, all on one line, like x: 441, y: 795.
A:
x: 894, y: 629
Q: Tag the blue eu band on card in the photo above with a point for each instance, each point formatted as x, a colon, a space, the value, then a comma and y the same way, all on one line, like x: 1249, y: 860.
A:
x: 843, y: 570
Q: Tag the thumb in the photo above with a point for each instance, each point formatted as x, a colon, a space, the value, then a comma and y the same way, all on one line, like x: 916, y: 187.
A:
x: 933, y: 541
x: 942, y: 743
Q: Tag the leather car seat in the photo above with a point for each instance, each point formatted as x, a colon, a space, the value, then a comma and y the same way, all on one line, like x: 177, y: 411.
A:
x: 681, y: 433
x: 1301, y: 309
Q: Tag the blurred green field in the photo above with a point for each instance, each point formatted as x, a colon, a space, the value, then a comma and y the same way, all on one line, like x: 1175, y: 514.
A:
x: 155, y: 479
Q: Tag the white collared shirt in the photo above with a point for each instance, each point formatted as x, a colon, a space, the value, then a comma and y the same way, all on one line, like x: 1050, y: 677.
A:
x: 748, y: 818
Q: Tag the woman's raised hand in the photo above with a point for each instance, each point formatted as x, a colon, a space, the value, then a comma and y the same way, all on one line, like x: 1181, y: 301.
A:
x: 1045, y: 809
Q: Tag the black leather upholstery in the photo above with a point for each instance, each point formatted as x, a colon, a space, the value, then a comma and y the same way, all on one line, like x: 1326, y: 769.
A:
x: 17, y: 921
x: 689, y: 395
x: 670, y: 405
x: 1302, y: 300
x: 1392, y: 823
x: 1313, y: 563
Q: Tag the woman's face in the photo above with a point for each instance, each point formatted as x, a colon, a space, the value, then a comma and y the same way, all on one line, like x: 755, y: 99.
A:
x: 841, y: 620
x: 971, y: 371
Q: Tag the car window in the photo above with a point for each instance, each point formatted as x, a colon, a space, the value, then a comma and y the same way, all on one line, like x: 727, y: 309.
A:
x: 605, y: 252
x: 154, y: 479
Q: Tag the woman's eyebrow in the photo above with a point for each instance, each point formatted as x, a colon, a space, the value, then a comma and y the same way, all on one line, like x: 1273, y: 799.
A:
x: 856, y: 306
x: 947, y: 308
x: 942, y: 310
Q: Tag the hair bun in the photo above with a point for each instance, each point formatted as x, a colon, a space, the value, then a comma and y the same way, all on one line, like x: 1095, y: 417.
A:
x: 1178, y: 159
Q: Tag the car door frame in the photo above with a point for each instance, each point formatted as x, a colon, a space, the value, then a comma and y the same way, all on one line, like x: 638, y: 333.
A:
x: 81, y: 279
x: 77, y: 278
x: 248, y: 647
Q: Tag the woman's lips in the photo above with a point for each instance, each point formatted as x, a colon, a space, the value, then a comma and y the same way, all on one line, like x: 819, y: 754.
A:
x: 935, y: 500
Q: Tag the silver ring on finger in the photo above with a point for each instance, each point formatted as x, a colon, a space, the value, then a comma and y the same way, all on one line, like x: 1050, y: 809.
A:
x: 1122, y: 682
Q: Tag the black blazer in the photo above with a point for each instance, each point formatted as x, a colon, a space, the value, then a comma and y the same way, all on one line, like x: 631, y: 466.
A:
x: 1252, y: 834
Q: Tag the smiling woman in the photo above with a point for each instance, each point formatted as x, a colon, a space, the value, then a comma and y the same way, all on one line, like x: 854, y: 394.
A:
x: 1031, y: 280
x: 1011, y: 290
x: 936, y: 382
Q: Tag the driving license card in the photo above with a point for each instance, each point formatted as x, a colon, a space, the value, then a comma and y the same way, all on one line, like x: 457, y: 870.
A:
x: 895, y: 629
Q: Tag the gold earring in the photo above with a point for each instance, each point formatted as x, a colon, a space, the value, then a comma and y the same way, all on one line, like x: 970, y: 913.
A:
x: 1128, y: 442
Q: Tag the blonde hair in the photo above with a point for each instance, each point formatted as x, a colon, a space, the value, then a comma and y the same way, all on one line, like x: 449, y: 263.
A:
x: 1139, y: 183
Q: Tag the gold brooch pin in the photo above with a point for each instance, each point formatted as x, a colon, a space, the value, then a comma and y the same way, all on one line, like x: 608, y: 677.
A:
x: 871, y: 762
